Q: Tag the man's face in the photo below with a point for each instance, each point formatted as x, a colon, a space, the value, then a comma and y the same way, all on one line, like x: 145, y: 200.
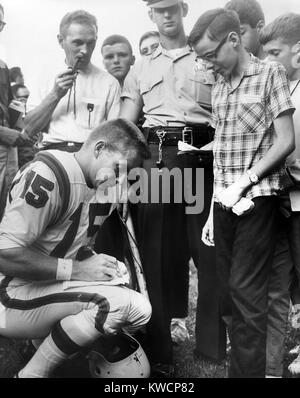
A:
x: 79, y: 42
x: 149, y: 45
x: 277, y: 50
x: 218, y: 54
x: 169, y: 20
x: 105, y: 168
x: 117, y: 60
x: 22, y: 95
x: 109, y: 167
x: 250, y: 39
x: 20, y: 79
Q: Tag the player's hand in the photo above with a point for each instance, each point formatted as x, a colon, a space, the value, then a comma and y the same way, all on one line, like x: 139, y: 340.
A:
x: 208, y: 232
x: 100, y: 267
x: 230, y: 196
x: 63, y: 82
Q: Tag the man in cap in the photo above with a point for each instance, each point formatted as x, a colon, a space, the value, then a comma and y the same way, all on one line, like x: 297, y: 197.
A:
x: 175, y: 96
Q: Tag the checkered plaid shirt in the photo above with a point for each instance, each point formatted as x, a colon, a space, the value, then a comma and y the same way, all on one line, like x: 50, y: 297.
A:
x: 243, y: 118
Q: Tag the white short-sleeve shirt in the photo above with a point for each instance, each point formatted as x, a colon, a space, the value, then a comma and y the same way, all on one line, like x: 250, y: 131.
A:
x: 96, y: 99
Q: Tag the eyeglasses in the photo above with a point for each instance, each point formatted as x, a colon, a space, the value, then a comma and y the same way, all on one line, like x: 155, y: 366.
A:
x: 213, y: 54
x: 22, y: 98
x: 2, y: 24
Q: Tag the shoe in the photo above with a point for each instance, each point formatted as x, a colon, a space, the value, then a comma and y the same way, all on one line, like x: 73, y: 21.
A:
x: 179, y: 332
x: 162, y: 370
x: 295, y: 350
x: 294, y: 367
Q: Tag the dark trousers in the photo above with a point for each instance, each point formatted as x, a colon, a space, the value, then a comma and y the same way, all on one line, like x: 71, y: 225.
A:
x: 165, y: 256
x: 244, y: 250
x: 278, y: 301
x: 168, y: 238
x: 293, y: 230
x: 210, y: 333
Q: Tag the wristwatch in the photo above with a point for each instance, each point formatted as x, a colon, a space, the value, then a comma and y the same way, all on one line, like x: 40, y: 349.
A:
x: 252, y: 177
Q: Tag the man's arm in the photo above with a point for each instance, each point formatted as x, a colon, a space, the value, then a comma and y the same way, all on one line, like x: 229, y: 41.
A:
x: 284, y: 144
x: 11, y: 137
x: 113, y: 101
x: 39, y: 118
x: 131, y: 98
x: 28, y: 264
x: 208, y: 229
x: 130, y: 110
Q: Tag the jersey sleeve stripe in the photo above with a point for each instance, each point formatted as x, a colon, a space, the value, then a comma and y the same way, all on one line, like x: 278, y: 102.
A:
x: 61, y: 177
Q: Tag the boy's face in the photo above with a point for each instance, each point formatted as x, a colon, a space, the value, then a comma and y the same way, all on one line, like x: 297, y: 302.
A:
x: 117, y: 60
x: 149, y: 45
x: 220, y: 55
x: 250, y: 38
x: 22, y: 94
x: 277, y: 50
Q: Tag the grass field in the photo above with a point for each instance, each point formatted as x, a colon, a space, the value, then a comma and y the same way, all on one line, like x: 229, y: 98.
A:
x: 12, y: 356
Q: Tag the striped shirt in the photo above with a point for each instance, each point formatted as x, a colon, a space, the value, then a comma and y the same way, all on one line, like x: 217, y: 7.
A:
x: 243, y: 118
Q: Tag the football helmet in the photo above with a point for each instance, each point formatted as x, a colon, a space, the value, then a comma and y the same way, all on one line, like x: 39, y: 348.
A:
x: 118, y: 356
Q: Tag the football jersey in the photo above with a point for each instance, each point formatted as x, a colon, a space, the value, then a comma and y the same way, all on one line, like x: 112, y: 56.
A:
x: 50, y: 207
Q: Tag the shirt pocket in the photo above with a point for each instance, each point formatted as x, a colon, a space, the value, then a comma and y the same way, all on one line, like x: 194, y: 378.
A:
x: 202, y: 85
x: 152, y: 92
x: 250, y: 117
x: 90, y: 112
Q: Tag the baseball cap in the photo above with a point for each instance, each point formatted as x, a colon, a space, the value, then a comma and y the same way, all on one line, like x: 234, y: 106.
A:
x: 161, y: 3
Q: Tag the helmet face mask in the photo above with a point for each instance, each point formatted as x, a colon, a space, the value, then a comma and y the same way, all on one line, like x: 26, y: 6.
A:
x: 118, y: 356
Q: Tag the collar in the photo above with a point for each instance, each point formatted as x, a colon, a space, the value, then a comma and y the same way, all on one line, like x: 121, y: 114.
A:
x: 160, y: 50
x: 253, y: 66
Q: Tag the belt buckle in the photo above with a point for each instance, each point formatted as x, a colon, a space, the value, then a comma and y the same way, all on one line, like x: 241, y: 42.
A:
x: 187, y: 135
x: 161, y: 133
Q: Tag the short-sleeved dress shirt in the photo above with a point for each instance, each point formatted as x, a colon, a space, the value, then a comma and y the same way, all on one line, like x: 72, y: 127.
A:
x: 170, y: 89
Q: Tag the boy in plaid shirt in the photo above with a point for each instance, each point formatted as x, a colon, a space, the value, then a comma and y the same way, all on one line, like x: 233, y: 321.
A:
x: 252, y: 113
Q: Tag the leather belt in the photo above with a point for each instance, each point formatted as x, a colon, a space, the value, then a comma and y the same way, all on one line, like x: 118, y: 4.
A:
x: 63, y: 144
x: 196, y: 135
